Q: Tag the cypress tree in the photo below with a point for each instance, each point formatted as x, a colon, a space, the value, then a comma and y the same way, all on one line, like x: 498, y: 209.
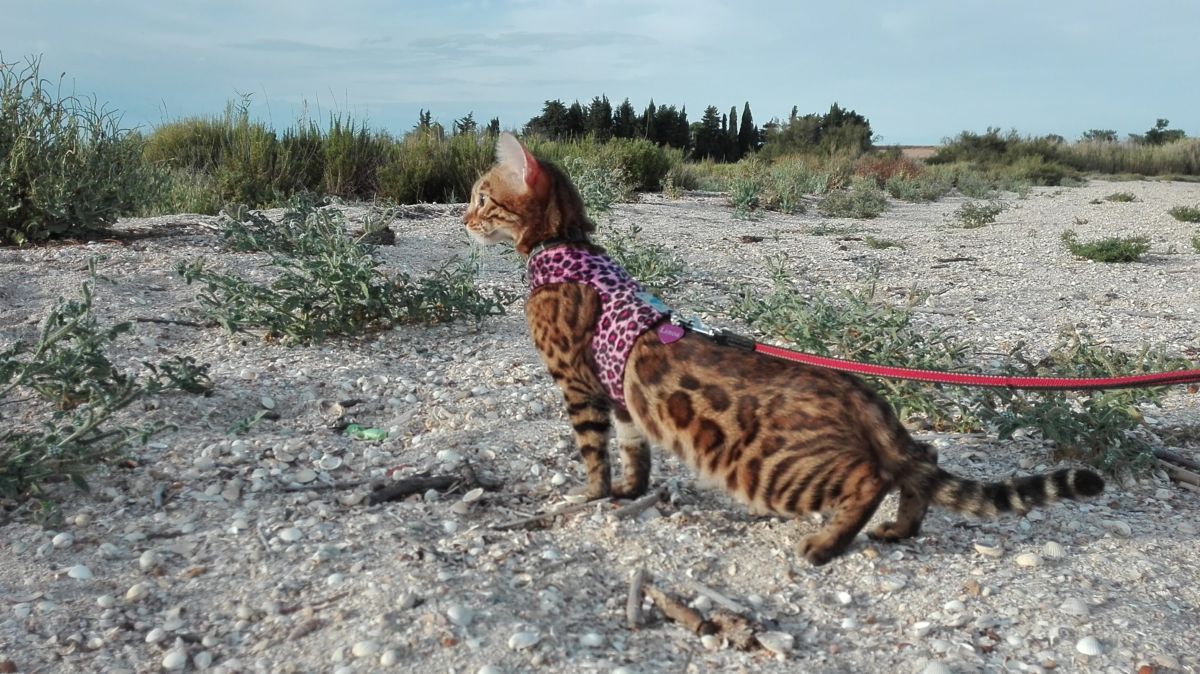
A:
x: 747, y: 138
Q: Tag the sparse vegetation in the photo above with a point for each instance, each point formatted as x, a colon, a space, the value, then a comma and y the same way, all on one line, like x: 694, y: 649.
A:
x: 654, y: 266
x: 1109, y: 249
x: 1121, y: 197
x: 864, y: 200
x: 1185, y: 213
x: 880, y: 244
x: 972, y: 214
x: 327, y: 283
x: 79, y: 392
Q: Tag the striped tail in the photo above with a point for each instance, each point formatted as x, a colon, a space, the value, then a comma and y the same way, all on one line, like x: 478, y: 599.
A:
x: 1015, y: 495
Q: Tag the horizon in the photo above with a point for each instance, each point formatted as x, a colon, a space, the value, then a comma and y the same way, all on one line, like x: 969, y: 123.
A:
x: 920, y: 73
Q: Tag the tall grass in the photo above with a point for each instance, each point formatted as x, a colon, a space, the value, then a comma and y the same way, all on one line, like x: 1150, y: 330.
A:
x: 66, y: 166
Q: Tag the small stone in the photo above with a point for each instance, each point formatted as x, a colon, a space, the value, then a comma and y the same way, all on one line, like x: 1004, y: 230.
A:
x: 1028, y: 559
x: 364, y: 648
x: 954, y: 606
x: 1187, y: 528
x: 155, y: 635
x: 449, y: 457
x: 80, y: 572
x: 202, y: 660
x: 591, y: 640
x: 844, y: 598
x: 1119, y: 527
x: 64, y: 540
x: 711, y: 642
x: 174, y: 659
x: 523, y: 640
x: 290, y: 535
x: 1089, y: 646
x: 922, y: 628
x: 989, y: 550
x: 148, y: 560
x: 473, y: 495
x: 305, y: 475
x: 892, y: 583
x: 1054, y: 550
x: 389, y: 658
x: 137, y: 592
x: 779, y: 643
x: 460, y: 615
x: 106, y: 601
x: 489, y: 669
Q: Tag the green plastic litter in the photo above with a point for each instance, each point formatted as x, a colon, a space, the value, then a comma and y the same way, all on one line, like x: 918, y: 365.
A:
x: 365, y: 433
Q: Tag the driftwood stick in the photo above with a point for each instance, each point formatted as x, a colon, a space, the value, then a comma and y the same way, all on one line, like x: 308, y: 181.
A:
x: 1181, y: 475
x: 676, y: 610
x: 635, y: 508
x: 717, y: 596
x: 172, y: 321
x: 413, y: 485
x: 565, y: 510
x: 1176, y: 458
x: 633, y: 602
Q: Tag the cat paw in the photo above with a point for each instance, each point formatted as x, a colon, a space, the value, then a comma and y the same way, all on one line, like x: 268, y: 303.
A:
x: 816, y: 555
x: 888, y: 532
x: 591, y: 492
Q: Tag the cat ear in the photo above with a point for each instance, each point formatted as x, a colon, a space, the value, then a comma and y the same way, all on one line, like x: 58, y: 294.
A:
x: 512, y: 155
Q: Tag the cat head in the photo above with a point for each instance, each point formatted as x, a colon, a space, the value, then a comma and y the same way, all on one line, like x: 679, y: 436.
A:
x: 525, y: 201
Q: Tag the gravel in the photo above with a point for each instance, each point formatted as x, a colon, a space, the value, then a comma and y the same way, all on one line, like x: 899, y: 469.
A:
x: 228, y: 553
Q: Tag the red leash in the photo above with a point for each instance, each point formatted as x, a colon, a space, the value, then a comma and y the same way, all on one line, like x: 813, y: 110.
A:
x: 952, y: 378
x: 986, y: 380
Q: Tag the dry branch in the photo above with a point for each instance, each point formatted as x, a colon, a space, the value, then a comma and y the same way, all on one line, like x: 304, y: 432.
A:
x: 675, y: 610
x: 635, y: 508
x: 1176, y: 458
x: 565, y: 510
x: 633, y: 602
x: 717, y: 596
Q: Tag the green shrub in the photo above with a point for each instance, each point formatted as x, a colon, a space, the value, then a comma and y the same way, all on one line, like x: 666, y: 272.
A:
x: 66, y: 167
x: 1110, y: 249
x: 880, y: 244
x: 326, y: 283
x: 1185, y: 213
x: 1196, y: 242
x: 744, y: 194
x: 600, y: 185
x: 863, y: 200
x: 182, y: 191
x: 1121, y: 197
x: 971, y: 215
x: 654, y: 266
x: 69, y: 371
x: 923, y: 188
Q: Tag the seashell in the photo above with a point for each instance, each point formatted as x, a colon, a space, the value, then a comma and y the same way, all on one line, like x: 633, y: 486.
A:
x: 1089, y: 646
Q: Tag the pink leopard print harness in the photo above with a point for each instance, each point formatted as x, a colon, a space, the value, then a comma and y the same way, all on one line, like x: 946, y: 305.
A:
x: 624, y: 316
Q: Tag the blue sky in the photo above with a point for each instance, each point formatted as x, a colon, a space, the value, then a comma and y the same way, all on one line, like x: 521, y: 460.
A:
x: 920, y: 70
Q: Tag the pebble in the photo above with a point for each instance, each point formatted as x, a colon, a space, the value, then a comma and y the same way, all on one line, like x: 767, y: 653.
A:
x: 80, y: 572
x: 1187, y: 528
x: 523, y: 640
x: 591, y: 640
x: 844, y: 598
x: 365, y: 648
x: 489, y: 669
x: 711, y: 642
x: 1054, y: 550
x: 460, y: 615
x: 106, y: 601
x: 1119, y: 527
x: 305, y: 475
x: 202, y: 660
x: 174, y: 659
x: 155, y: 635
x: 290, y: 535
x: 1028, y: 559
x: 148, y: 560
x: 954, y: 606
x: 779, y: 643
x: 1089, y: 646
x: 389, y: 658
x: 936, y: 667
x: 922, y: 628
x: 64, y: 540
x: 989, y: 550
x: 137, y: 592
x: 892, y: 583
x: 473, y: 495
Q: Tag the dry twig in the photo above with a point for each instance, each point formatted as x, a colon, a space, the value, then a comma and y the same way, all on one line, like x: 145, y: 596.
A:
x: 633, y: 602
x: 565, y: 510
x: 635, y: 508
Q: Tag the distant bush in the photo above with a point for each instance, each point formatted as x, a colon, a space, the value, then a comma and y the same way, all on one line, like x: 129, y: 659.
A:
x: 972, y: 215
x: 66, y: 167
x: 1185, y: 213
x: 1111, y: 249
x: 863, y: 200
x: 886, y: 167
x: 1121, y: 197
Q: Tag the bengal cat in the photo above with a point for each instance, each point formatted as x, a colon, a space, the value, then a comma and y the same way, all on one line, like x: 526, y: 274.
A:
x: 782, y: 437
